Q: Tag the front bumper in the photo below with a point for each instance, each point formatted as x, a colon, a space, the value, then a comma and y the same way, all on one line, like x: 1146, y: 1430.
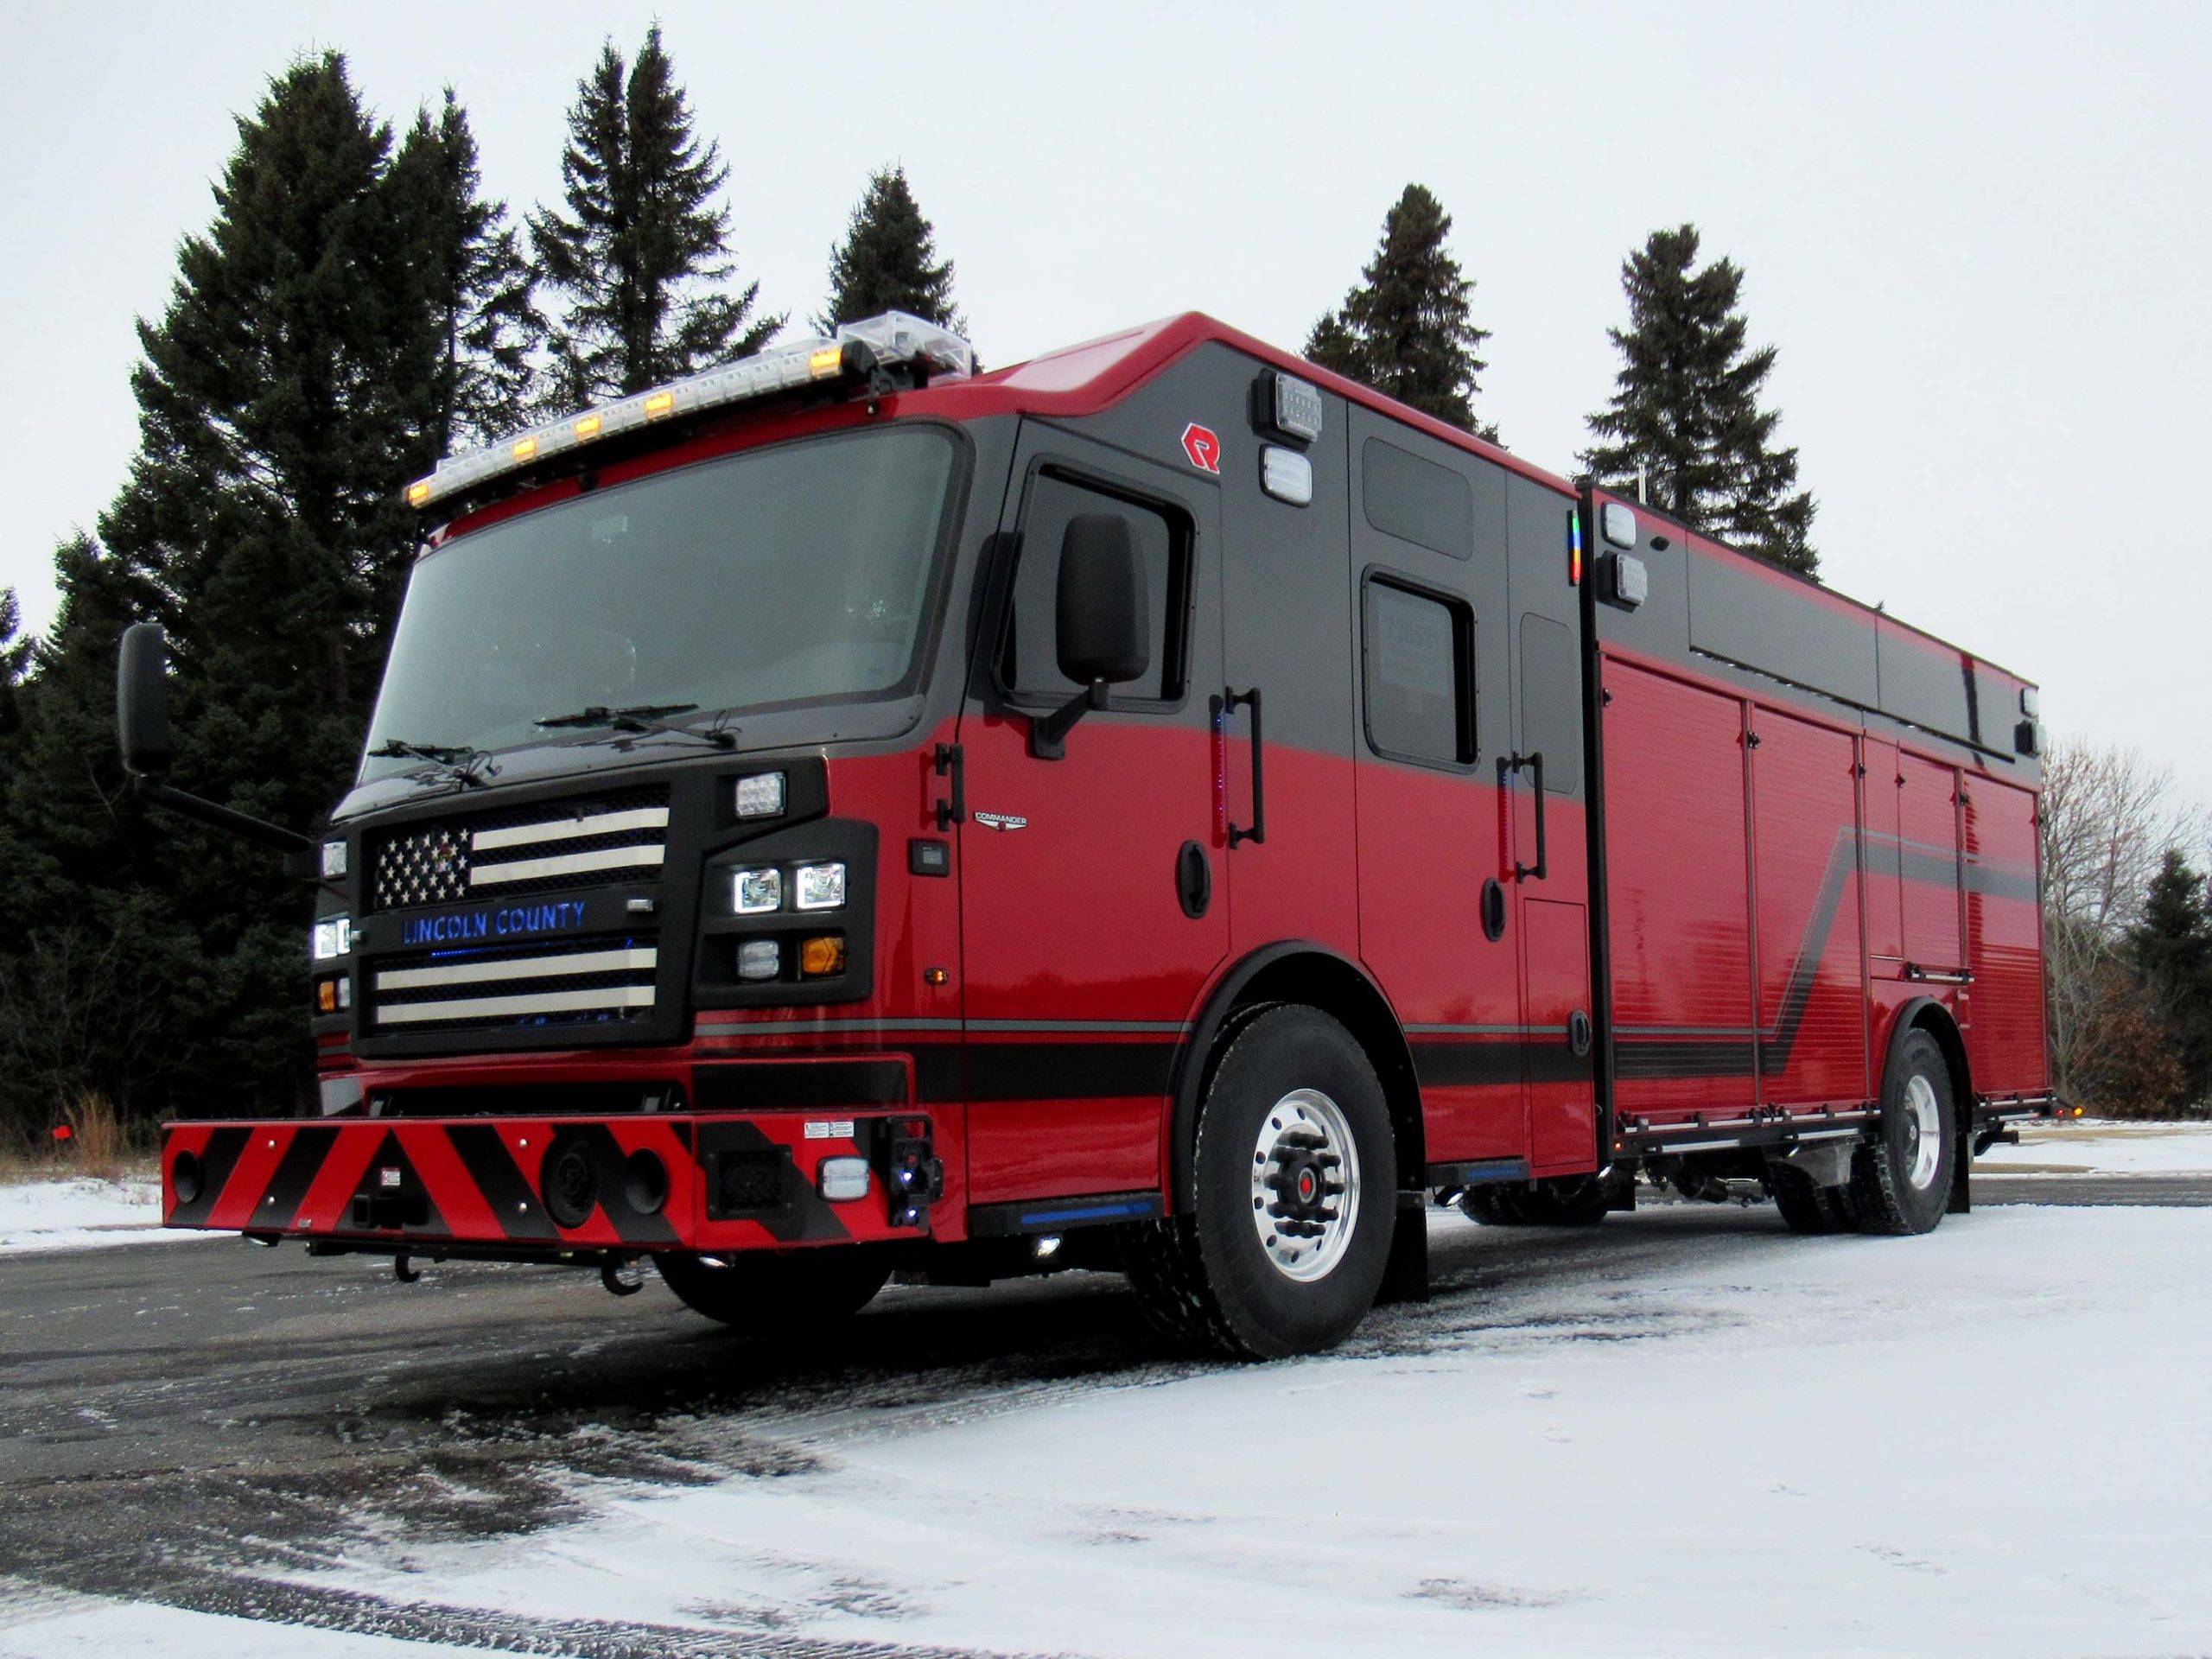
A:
x: 554, y: 1186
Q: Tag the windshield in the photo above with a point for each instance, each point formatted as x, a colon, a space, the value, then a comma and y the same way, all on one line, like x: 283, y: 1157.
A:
x: 799, y: 574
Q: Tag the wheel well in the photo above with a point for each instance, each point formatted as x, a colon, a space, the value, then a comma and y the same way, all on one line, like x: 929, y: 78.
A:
x: 1316, y: 978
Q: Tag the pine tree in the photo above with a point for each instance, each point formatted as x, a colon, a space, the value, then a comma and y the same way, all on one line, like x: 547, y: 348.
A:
x: 478, y: 299
x: 1407, y: 330
x: 643, y: 252
x: 2172, y: 946
x: 1685, y: 407
x: 14, y: 657
x: 281, y: 411
x: 888, y: 261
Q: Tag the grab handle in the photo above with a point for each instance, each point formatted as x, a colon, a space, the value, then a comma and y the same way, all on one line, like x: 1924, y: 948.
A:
x: 1258, y: 832
x: 1522, y: 871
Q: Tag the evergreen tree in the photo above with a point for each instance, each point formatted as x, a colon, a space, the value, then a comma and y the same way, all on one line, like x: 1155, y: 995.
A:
x: 1685, y: 407
x: 643, y: 253
x: 478, y: 299
x: 1407, y: 330
x: 281, y: 410
x: 888, y: 261
x: 14, y: 657
x: 2173, y: 948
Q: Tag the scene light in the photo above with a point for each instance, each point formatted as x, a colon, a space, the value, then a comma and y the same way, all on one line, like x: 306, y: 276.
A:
x: 761, y: 795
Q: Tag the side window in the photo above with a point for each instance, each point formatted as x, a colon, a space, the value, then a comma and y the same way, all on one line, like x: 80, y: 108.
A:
x: 1029, y: 652
x: 1551, y: 702
x: 1418, y: 665
x: 1416, y: 500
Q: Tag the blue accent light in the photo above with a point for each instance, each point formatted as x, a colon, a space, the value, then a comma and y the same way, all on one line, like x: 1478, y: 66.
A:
x: 1090, y: 1212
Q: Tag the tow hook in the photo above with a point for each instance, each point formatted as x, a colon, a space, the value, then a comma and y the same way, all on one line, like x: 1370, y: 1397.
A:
x: 621, y: 1277
x: 1998, y: 1134
x: 404, y: 1269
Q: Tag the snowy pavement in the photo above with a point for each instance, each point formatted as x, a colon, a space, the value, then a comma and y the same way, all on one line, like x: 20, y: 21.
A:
x: 79, y: 1213
x: 1695, y: 1432
x: 2094, y: 1147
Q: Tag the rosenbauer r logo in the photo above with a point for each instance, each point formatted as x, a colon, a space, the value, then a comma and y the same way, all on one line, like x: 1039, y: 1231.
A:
x: 1204, y: 448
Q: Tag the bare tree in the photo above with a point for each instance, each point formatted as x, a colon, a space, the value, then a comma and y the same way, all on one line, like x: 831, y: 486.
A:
x: 2109, y: 817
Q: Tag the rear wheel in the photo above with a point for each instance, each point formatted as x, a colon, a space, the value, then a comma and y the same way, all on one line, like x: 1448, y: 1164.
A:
x: 1806, y: 1206
x: 779, y: 1293
x: 1901, y: 1180
x: 1577, y: 1202
x: 1295, y: 1177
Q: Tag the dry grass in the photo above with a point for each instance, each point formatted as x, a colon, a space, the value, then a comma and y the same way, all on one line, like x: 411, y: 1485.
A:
x: 100, y: 1144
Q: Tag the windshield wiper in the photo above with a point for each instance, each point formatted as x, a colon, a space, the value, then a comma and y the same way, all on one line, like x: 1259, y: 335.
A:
x: 644, y: 717
x: 458, y: 766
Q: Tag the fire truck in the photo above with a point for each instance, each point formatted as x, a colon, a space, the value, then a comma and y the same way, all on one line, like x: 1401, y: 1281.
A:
x: 1161, y: 807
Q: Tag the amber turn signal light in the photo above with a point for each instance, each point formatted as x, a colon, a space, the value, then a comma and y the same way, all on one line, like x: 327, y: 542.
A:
x: 822, y: 955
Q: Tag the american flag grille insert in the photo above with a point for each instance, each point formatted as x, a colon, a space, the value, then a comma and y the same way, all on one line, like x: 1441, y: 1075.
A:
x: 590, y: 979
x: 526, y: 850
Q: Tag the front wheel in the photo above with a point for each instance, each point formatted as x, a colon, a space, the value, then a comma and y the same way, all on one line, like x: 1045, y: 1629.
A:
x: 1901, y: 1180
x: 793, y: 1293
x: 1296, y: 1190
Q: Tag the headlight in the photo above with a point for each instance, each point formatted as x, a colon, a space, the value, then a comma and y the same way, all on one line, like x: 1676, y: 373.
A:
x: 761, y: 795
x: 333, y: 860
x: 821, y: 887
x: 332, y: 939
x: 758, y: 892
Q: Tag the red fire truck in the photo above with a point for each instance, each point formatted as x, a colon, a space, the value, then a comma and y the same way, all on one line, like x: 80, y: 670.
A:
x: 1161, y: 807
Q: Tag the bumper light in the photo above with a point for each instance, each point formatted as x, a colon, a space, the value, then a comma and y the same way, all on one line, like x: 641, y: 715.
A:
x: 843, y: 1178
x: 821, y: 887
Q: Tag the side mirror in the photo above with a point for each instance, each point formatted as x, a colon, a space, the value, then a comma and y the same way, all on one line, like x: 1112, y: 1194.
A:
x: 1103, y: 636
x: 141, y: 701
x: 1102, y: 622
x: 141, y: 729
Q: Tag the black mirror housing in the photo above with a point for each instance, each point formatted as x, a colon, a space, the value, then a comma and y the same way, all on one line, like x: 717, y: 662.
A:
x: 141, y: 701
x: 1103, y: 609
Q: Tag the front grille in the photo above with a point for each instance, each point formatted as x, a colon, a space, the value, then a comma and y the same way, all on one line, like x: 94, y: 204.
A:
x: 614, y: 837
x: 587, y: 979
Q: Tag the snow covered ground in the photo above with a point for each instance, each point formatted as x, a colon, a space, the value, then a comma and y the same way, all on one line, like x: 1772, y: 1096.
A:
x: 2094, y: 1147
x: 1708, y: 1435
x: 74, y: 1214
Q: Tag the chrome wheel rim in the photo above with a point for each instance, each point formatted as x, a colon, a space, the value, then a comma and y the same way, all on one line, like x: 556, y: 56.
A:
x: 1305, y: 1186
x: 1923, y: 1131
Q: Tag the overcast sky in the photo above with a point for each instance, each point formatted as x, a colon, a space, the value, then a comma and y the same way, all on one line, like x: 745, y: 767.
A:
x: 1980, y: 235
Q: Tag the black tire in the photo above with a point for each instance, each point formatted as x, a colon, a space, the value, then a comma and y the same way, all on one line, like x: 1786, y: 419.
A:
x: 787, y: 1294
x: 1491, y: 1206
x: 1208, y: 1277
x: 1883, y: 1197
x: 1582, y: 1202
x: 1806, y: 1205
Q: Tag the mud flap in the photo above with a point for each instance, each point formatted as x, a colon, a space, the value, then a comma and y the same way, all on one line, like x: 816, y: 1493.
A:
x: 1405, y: 1275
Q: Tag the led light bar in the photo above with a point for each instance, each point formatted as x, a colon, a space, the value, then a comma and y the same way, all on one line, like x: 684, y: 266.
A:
x: 895, y: 340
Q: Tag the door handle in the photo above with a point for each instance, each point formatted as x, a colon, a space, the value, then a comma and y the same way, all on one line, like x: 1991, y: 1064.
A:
x: 1534, y: 762
x: 951, y: 759
x: 1258, y: 832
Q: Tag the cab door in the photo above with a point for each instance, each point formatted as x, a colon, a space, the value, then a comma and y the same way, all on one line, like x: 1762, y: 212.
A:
x: 1093, y: 900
